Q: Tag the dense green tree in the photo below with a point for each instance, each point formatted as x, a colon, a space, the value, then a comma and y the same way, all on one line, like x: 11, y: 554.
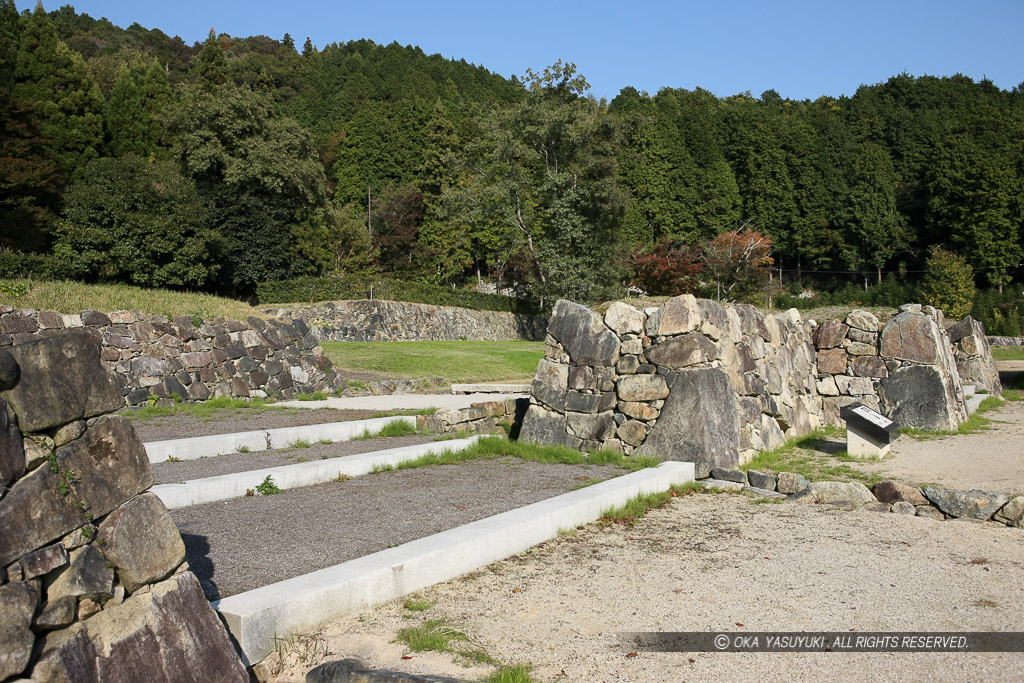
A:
x: 137, y: 221
x: 948, y: 283
x: 211, y: 67
x: 874, y: 228
x: 978, y: 201
x: 139, y: 102
x: 548, y: 178
x: 55, y: 82
x: 262, y: 182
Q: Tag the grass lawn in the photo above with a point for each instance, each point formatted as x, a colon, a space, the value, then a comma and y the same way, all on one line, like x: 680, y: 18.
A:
x: 456, y: 361
x: 816, y: 456
x: 75, y: 297
x: 1008, y: 352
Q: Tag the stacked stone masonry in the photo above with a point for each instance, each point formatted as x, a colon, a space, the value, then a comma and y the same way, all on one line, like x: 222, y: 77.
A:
x: 376, y: 320
x: 153, y: 356
x: 92, y: 581
x: 697, y: 381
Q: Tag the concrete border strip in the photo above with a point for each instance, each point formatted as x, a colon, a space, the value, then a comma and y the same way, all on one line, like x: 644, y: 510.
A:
x: 301, y: 604
x: 522, y: 388
x: 197, y: 447
x: 226, y: 486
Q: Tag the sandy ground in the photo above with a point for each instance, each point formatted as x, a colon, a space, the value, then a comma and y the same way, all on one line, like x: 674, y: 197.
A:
x: 992, y: 459
x: 721, y: 562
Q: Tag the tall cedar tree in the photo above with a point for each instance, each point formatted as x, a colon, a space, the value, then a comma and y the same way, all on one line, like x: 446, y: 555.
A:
x: 56, y: 82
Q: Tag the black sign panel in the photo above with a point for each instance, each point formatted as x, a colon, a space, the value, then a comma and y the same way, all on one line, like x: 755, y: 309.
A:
x: 868, y: 422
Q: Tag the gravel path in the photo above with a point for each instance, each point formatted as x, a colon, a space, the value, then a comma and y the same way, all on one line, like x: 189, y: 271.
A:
x: 230, y: 421
x: 707, y: 563
x: 245, y: 543
x: 168, y: 472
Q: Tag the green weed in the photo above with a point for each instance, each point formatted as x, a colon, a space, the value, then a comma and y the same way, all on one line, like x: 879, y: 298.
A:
x: 202, y: 411
x: 392, y: 428
x: 415, y: 603
x: 519, y: 673
x: 268, y: 487
x: 244, y: 449
x: 315, y: 396
x: 299, y: 443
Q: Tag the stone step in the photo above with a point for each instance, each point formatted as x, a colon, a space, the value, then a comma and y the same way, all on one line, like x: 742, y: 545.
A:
x: 300, y: 604
x: 505, y: 388
x: 974, y: 401
x: 197, y: 447
x: 235, y: 485
x: 969, y: 390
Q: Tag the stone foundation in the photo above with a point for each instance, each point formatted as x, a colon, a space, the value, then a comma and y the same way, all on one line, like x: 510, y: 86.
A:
x: 156, y: 357
x: 697, y: 381
x: 92, y: 581
x: 376, y: 320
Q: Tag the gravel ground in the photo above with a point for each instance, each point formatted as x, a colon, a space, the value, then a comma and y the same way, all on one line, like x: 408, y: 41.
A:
x: 230, y: 421
x: 168, y: 472
x: 709, y: 563
x: 245, y: 543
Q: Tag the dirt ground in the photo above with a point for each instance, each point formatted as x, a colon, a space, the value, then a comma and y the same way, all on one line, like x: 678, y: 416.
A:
x: 720, y: 563
x: 731, y: 563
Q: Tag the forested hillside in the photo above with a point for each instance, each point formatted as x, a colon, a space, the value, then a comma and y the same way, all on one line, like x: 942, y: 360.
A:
x: 128, y: 155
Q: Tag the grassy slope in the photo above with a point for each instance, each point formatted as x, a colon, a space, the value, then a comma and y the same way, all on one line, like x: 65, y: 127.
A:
x: 75, y: 297
x: 1008, y: 352
x: 456, y: 361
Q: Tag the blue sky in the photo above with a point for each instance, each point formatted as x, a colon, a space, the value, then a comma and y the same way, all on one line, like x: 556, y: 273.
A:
x: 802, y: 49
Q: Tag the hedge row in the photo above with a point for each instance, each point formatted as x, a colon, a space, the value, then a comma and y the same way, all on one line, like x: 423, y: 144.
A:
x: 19, y: 264
x: 312, y: 289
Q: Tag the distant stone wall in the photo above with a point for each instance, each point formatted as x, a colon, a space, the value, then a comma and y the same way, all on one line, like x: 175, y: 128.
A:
x: 697, y: 381
x: 92, y: 581
x: 376, y: 320
x: 154, y: 356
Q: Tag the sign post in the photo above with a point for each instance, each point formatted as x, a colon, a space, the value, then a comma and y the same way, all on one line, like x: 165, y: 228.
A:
x: 868, y: 433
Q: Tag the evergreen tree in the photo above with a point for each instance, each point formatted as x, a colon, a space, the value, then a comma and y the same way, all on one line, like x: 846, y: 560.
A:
x: 54, y: 80
x: 140, y: 99
x: 211, y: 67
x: 874, y: 228
x: 307, y: 48
x: 288, y: 43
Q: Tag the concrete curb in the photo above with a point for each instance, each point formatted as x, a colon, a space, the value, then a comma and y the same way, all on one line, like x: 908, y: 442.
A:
x: 219, y: 444
x: 226, y: 486
x: 300, y: 604
x: 506, y: 388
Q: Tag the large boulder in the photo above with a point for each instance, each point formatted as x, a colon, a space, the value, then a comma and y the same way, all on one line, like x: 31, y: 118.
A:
x: 141, y: 541
x: 12, y: 448
x: 917, y: 396
x: 546, y: 427
x: 583, y: 335
x: 974, y: 504
x: 699, y: 422
x: 687, y: 349
x: 169, y: 633
x: 18, y: 602
x: 551, y: 383
x: 109, y: 466
x: 912, y: 337
x: 62, y: 380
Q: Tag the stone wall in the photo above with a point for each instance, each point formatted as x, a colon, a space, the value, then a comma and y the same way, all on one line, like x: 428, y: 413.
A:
x: 697, y: 381
x: 154, y: 356
x: 92, y: 581
x: 399, y: 321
